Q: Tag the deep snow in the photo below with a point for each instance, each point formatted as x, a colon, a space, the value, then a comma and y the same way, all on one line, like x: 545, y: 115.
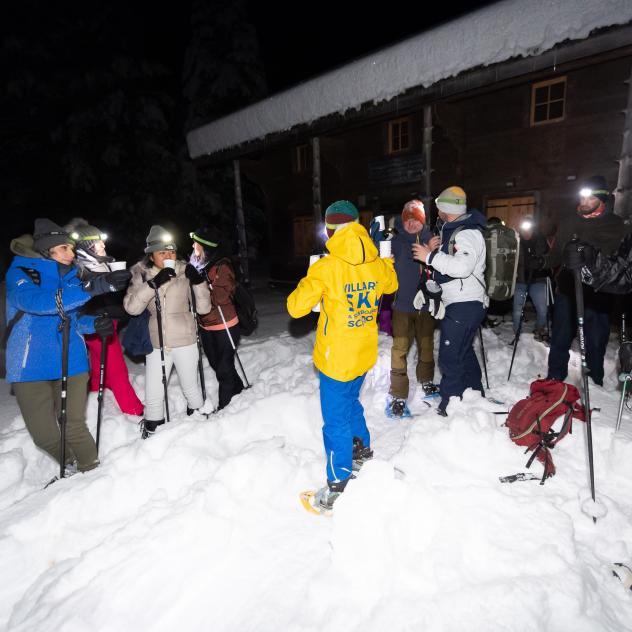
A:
x: 200, y: 527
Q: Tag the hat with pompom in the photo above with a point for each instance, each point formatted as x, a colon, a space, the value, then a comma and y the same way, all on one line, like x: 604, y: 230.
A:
x: 414, y: 209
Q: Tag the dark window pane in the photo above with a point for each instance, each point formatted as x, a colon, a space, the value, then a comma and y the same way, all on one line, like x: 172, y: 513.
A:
x: 539, y: 113
x: 557, y: 91
x: 556, y: 109
x: 542, y: 94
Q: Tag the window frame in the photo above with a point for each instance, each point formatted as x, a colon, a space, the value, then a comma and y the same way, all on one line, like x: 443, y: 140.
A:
x: 547, y: 84
x: 301, y: 158
x: 391, y: 135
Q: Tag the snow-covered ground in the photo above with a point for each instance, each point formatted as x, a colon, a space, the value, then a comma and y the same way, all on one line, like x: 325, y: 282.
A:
x: 200, y: 528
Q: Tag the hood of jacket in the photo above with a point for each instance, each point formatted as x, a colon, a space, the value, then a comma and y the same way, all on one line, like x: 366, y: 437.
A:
x: 353, y: 245
x: 23, y: 247
x: 471, y: 219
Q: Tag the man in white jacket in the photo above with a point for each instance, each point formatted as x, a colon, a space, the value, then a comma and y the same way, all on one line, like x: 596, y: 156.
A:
x: 458, y: 260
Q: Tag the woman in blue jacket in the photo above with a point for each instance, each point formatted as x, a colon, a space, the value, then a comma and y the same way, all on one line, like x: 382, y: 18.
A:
x: 43, y: 289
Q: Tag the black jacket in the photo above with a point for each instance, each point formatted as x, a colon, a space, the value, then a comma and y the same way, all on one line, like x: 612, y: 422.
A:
x: 604, y: 233
x: 529, y: 249
x: 612, y: 273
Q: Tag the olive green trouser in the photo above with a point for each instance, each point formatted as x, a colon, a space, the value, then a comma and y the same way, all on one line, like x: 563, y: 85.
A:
x: 406, y: 328
x: 40, y: 404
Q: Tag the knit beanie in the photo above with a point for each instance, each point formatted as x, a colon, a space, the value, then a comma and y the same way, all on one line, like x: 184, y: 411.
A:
x: 452, y: 201
x: 414, y: 209
x: 598, y: 187
x: 84, y: 234
x: 338, y: 213
x: 47, y: 235
x: 159, y: 239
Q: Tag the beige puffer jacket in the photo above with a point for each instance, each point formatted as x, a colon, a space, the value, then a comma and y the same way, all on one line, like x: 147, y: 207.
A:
x: 178, y: 324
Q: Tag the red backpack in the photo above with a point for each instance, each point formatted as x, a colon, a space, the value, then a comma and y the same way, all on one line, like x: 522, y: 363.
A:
x: 531, y: 420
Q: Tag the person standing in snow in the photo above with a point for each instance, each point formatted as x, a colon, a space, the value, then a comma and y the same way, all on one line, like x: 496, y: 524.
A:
x: 160, y: 272
x: 595, y: 224
x: 43, y: 292
x: 348, y: 284
x: 410, y: 323
x: 458, y: 259
x: 91, y: 260
x: 219, y: 329
x: 531, y: 277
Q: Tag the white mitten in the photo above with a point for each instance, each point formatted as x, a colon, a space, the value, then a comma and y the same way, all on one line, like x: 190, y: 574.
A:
x: 419, y: 301
x: 440, y: 311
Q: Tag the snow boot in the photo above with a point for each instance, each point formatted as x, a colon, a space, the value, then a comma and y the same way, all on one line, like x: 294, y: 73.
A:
x: 361, y: 454
x: 327, y: 496
x: 396, y: 408
x: 430, y: 390
x: 197, y: 414
x: 148, y: 428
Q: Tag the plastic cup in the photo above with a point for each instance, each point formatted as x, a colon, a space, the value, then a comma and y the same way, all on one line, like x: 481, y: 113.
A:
x: 380, y: 220
x: 169, y: 263
x: 385, y: 249
x: 118, y: 265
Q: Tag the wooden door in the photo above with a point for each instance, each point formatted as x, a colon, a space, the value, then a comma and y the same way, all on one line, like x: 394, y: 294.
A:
x: 511, y: 210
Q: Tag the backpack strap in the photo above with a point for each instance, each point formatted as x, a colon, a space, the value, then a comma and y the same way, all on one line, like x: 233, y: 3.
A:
x: 542, y: 415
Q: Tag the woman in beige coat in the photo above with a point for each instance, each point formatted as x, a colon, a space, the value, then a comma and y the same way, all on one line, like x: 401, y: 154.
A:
x: 161, y: 272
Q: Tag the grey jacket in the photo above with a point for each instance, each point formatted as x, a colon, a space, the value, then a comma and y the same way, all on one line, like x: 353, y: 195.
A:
x: 178, y: 324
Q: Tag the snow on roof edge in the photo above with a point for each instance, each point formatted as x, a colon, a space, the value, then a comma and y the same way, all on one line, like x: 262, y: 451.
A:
x: 489, y: 35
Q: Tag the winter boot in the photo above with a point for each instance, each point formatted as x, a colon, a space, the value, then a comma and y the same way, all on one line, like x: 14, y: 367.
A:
x: 327, y: 496
x: 197, y: 414
x: 430, y: 390
x: 148, y: 428
x: 361, y: 454
x: 396, y: 408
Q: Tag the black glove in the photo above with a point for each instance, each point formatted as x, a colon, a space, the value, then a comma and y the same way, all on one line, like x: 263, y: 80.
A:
x: 193, y: 275
x: 108, y: 282
x: 535, y: 262
x: 165, y: 275
x: 578, y: 254
x: 103, y: 325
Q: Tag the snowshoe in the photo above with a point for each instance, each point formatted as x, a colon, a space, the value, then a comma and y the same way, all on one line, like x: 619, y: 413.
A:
x: 361, y: 454
x: 322, y: 501
x: 396, y: 408
x: 148, y: 428
x: 430, y: 389
x: 624, y: 573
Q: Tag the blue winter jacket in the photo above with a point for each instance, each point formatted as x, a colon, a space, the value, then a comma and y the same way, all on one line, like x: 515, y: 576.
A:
x: 34, y: 347
x: 408, y: 270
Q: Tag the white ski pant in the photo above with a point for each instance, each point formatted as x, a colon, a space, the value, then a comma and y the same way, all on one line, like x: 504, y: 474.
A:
x: 186, y: 363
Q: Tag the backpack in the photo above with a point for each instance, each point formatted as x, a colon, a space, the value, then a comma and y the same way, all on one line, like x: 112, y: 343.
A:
x: 244, y: 301
x: 502, y: 246
x: 135, y: 339
x: 530, y: 421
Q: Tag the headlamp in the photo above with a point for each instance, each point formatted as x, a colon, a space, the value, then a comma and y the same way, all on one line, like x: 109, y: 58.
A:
x: 166, y: 237
x: 585, y: 192
x: 527, y: 224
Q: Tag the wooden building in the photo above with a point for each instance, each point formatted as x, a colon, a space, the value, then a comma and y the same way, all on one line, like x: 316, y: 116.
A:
x: 517, y: 135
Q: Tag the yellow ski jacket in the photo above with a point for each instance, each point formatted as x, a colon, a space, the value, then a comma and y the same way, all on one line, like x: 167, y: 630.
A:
x: 349, y: 284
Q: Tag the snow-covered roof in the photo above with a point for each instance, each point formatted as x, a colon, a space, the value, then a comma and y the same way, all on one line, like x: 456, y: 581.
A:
x: 508, y: 29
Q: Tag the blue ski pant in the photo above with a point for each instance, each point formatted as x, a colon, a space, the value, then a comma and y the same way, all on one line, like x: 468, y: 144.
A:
x: 537, y: 292
x: 457, y: 361
x: 596, y: 333
x: 343, y: 417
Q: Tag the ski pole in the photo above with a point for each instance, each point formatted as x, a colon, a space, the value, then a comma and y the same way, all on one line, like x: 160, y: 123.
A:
x: 162, y: 352
x: 199, y: 344
x: 579, y: 300
x: 104, y: 347
x: 518, y: 331
x: 550, y: 302
x: 232, y: 342
x: 480, y: 333
x: 624, y: 376
x: 65, y: 340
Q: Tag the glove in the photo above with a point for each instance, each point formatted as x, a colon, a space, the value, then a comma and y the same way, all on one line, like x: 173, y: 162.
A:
x: 535, y: 262
x: 436, y: 307
x: 578, y: 254
x: 165, y: 275
x: 193, y: 275
x: 109, y: 282
x: 103, y: 325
